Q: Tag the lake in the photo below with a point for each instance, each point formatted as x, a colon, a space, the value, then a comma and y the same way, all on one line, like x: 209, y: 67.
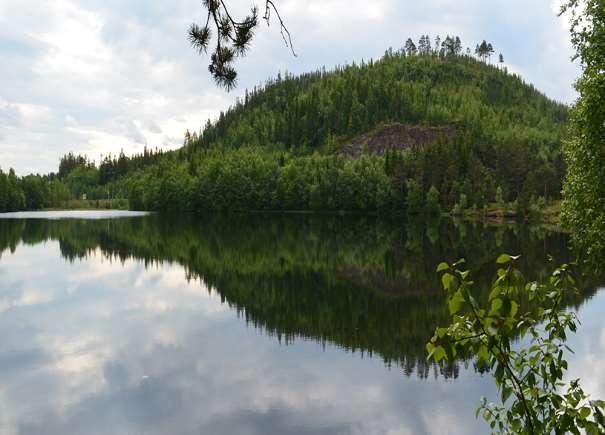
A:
x: 121, y: 323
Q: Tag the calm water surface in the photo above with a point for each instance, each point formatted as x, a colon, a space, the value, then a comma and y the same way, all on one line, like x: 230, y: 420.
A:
x: 146, y: 324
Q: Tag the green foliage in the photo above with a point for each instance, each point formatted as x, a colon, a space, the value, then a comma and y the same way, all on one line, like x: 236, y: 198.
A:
x: 70, y: 161
x: 31, y: 192
x: 432, y: 202
x: 36, y: 192
x: 530, y: 377
x: 112, y: 168
x: 494, y: 106
x: 584, y: 194
x: 461, y: 206
x: 499, y: 196
x: 251, y: 178
x: 258, y: 178
x: 414, y: 198
x: 12, y: 196
x: 463, y: 202
x: 59, y: 193
x: 82, y: 179
x: 500, y: 202
x: 536, y: 207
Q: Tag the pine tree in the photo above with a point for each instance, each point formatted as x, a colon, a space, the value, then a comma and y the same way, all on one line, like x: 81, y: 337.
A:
x: 410, y: 47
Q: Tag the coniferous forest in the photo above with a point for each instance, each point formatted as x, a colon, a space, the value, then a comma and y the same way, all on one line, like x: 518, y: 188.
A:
x: 422, y: 129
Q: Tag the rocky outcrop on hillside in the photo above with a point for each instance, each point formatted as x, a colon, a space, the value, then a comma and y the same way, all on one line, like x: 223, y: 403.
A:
x: 397, y: 137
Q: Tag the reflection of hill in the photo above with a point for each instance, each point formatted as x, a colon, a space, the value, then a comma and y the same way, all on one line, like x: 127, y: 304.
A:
x: 367, y: 285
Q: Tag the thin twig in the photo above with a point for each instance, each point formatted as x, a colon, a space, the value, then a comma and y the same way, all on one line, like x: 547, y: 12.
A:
x: 283, y: 29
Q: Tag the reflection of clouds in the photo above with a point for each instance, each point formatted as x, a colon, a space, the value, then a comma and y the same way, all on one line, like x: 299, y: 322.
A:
x: 588, y: 362
x: 15, y: 292
x: 130, y: 350
x: 23, y: 299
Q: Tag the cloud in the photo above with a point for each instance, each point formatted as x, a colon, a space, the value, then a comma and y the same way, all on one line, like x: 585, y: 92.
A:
x: 98, y: 76
x: 23, y: 114
x: 152, y: 127
x: 9, y: 114
x: 131, y: 130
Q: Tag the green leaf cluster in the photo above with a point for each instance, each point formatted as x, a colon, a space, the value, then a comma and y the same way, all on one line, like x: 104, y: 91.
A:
x: 584, y: 190
x: 533, y: 397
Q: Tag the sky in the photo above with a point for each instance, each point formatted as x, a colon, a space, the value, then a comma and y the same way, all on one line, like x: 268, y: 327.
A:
x: 100, y: 76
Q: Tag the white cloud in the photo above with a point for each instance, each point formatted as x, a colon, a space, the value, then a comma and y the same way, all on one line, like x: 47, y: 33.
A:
x: 23, y: 114
x: 75, y: 49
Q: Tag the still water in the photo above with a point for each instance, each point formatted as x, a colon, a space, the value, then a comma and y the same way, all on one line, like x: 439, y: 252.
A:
x: 118, y: 323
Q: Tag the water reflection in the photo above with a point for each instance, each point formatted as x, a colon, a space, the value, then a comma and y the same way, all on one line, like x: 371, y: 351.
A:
x: 131, y: 329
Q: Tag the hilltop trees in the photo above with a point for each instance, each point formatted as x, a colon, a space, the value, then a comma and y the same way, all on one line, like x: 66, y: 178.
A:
x: 424, y: 45
x: 410, y: 47
x: 304, y: 111
x: 351, y: 99
x: 452, y: 46
x: 484, y: 50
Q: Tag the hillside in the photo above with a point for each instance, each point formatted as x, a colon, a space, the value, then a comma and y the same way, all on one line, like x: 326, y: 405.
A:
x: 309, y: 110
x: 415, y: 133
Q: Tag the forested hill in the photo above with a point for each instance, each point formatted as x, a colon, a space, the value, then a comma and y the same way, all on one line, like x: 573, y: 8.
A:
x: 417, y: 131
x: 428, y: 131
x: 306, y: 112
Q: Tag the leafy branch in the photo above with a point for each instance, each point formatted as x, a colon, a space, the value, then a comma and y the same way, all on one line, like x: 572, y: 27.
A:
x: 530, y: 379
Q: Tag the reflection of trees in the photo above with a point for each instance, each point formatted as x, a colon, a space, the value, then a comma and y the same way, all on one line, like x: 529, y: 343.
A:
x: 365, y: 284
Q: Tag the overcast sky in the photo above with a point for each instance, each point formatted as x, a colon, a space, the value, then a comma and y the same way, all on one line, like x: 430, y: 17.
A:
x: 98, y: 76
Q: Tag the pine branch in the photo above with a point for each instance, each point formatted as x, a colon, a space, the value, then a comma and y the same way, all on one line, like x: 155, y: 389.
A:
x: 233, y: 38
